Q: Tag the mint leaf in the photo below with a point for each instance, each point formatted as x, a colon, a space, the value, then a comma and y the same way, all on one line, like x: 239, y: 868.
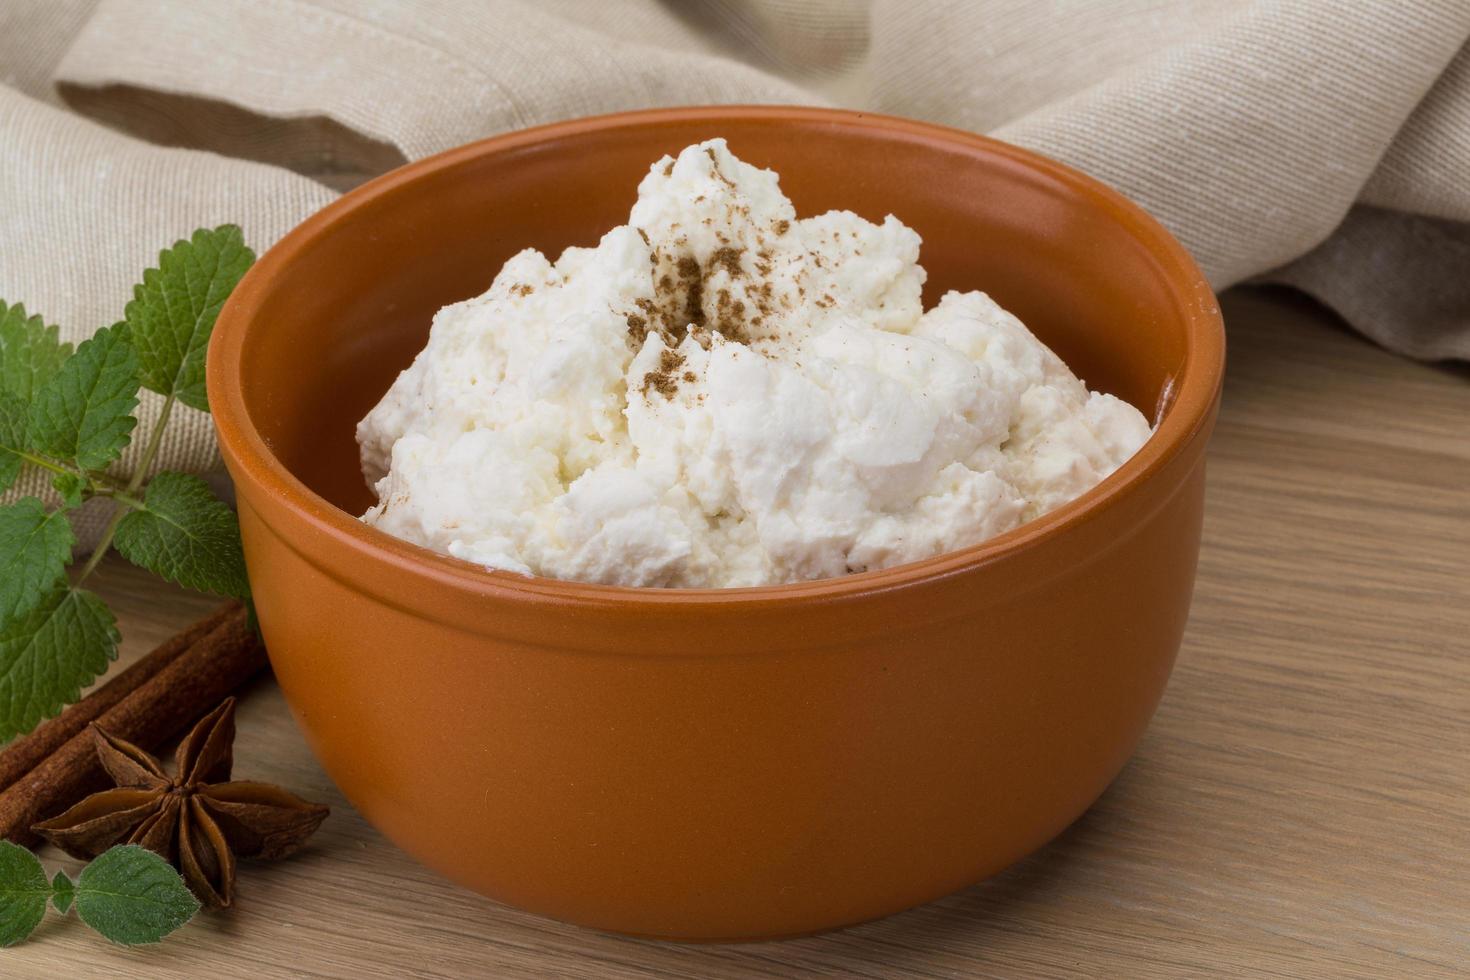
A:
x: 186, y: 535
x: 62, y: 892
x: 30, y: 352
x: 34, y: 549
x: 23, y: 893
x: 84, y: 413
x: 12, y: 438
x: 132, y: 896
x: 70, y: 488
x: 173, y: 311
x: 49, y: 654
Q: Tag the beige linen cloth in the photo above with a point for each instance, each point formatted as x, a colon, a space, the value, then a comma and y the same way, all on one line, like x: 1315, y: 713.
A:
x: 1319, y: 143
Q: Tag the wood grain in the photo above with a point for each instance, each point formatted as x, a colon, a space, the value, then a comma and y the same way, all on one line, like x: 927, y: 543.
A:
x: 1299, y: 807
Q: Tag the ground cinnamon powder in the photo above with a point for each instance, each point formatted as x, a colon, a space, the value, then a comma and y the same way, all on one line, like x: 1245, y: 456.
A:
x: 665, y: 380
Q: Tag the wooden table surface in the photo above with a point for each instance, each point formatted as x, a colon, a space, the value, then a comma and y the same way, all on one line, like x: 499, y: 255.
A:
x: 1300, y: 805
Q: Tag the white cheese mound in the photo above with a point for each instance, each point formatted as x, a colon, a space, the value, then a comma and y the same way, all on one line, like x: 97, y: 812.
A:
x: 720, y: 394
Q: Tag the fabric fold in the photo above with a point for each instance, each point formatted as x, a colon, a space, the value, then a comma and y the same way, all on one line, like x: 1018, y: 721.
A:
x: 420, y: 77
x: 84, y: 210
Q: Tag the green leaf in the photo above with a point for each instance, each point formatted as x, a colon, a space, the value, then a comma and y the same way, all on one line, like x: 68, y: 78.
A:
x: 48, y: 655
x: 30, y: 352
x: 34, y: 549
x: 70, y: 488
x: 173, y: 311
x: 187, y: 535
x: 132, y: 896
x: 23, y: 893
x: 12, y: 438
x: 84, y: 413
x: 62, y: 892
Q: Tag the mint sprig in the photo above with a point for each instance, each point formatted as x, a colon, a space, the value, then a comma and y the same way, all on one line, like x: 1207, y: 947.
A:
x: 24, y: 892
x: 34, y: 549
x: 30, y: 351
x: 174, y: 309
x: 52, y: 652
x: 62, y: 892
x: 83, y: 416
x: 186, y: 535
x: 127, y: 893
x: 12, y: 437
x: 71, y: 414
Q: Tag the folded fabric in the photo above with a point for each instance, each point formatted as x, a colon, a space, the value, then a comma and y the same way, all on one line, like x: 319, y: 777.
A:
x: 1309, y: 142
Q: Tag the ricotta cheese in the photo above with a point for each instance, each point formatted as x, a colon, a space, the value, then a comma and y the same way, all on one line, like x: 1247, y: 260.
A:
x: 721, y: 394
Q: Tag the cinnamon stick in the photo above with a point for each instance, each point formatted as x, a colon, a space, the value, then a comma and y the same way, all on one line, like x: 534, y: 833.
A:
x: 163, y: 706
x: 28, y: 751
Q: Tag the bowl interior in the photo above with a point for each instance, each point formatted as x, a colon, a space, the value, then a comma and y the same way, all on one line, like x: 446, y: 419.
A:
x: 353, y: 305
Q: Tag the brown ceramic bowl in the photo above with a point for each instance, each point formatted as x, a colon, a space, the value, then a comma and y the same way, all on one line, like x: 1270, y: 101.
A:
x: 707, y: 764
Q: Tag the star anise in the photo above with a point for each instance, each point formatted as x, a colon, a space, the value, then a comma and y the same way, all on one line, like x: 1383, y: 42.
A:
x: 198, y: 820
